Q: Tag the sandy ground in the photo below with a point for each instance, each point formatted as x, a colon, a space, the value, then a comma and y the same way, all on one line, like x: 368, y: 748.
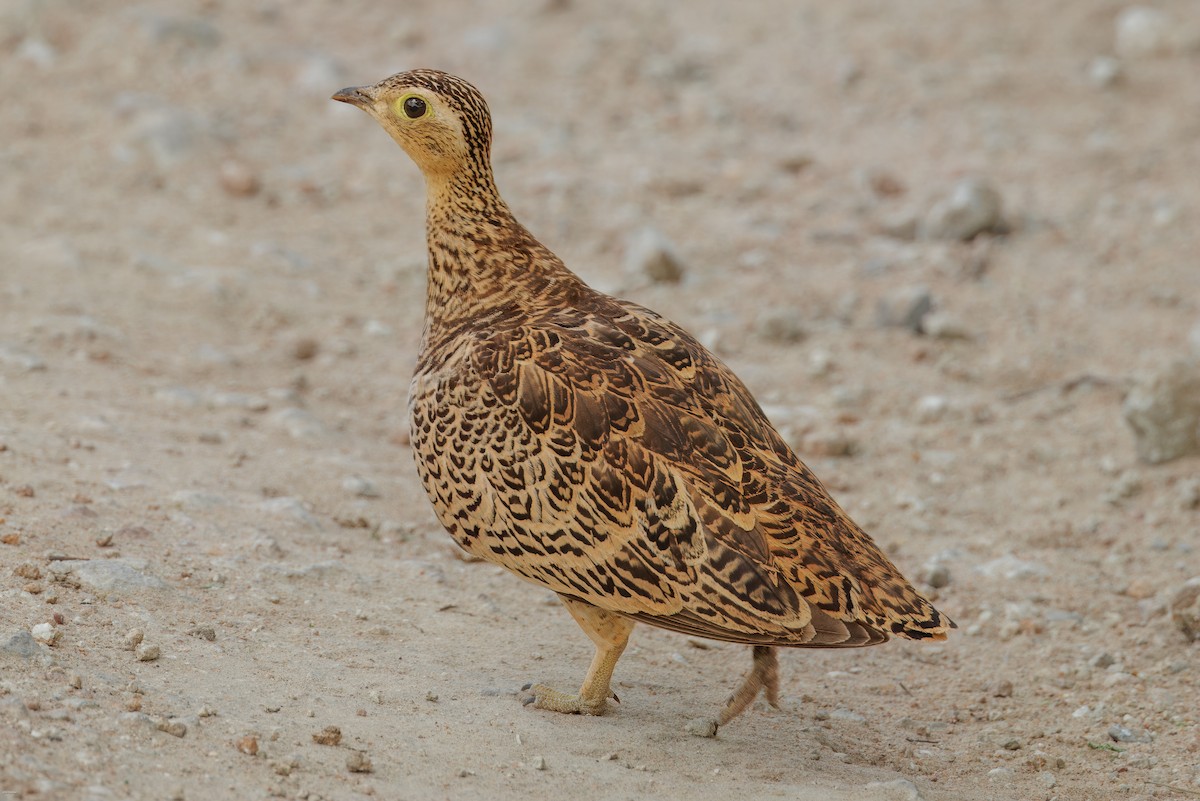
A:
x: 210, y: 300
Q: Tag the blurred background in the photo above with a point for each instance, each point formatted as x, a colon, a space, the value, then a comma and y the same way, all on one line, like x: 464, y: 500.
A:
x: 952, y: 248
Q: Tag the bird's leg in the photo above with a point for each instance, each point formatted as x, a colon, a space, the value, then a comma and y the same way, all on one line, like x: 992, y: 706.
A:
x: 764, y: 675
x: 610, y: 633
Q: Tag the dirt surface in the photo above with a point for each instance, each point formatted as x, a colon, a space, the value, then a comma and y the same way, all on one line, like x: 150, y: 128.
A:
x: 210, y: 301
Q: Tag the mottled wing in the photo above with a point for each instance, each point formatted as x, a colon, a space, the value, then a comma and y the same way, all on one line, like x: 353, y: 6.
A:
x: 618, y: 462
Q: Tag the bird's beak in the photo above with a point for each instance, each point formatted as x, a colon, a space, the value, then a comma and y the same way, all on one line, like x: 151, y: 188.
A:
x: 355, y: 95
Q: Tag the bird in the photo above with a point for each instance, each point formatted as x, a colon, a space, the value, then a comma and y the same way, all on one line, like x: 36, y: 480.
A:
x: 595, y: 448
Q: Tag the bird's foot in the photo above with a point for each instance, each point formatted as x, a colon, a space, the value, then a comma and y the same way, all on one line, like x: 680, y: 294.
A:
x: 543, y: 697
x: 763, y: 677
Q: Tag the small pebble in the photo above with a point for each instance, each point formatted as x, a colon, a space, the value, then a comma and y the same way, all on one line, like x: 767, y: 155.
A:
x: 147, y: 652
x: 700, y: 727
x: 850, y: 716
x: 237, y: 179
x: 896, y: 790
x: 356, y: 485
x: 1002, y: 689
x: 781, y: 325
x: 902, y: 224
x: 880, y: 182
x: 1163, y: 409
x: 173, y: 726
x: 936, y: 575
x: 304, y: 348
x: 358, y: 762
x: 284, y: 767
x: 1141, y: 588
x: 904, y: 307
x: 133, y: 638
x: 28, y: 570
x: 973, y: 207
x: 538, y: 762
x: 1188, y: 492
x: 1143, y: 32
x: 828, y: 443
x: 1127, y: 485
x: 1104, y: 72
x: 1012, y: 744
x: 651, y: 254
x: 931, y: 408
x: 46, y: 633
x: 943, y: 325
x: 1124, y: 734
x: 248, y: 745
x: 203, y: 632
x: 1185, y: 609
x: 330, y: 735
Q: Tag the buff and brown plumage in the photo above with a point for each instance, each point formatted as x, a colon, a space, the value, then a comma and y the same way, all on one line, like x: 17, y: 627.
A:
x: 597, y: 449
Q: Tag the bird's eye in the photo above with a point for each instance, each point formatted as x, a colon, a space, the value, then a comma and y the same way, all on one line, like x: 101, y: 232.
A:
x: 414, y: 107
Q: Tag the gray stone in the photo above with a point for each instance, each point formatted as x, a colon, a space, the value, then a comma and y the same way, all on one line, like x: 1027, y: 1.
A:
x: 895, y: 790
x: 20, y: 645
x: 114, y: 575
x: 1011, y: 567
x: 781, y: 325
x: 1119, y: 733
x: 1185, y: 609
x: 1188, y: 492
x: 20, y: 358
x: 1143, y: 32
x: 290, y: 507
x: 1163, y: 409
x: 937, y: 575
x: 1104, y: 71
x: 357, y: 485
x: 931, y: 408
x: 652, y: 255
x: 299, y: 423
x: 905, y: 307
x: 943, y: 325
x: 38, y: 52
x: 847, y: 715
x: 973, y: 207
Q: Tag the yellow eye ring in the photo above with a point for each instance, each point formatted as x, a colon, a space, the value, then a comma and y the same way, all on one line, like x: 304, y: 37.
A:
x: 411, y: 106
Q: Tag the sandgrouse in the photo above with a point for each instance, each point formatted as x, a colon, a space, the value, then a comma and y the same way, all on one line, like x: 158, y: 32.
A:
x: 597, y: 449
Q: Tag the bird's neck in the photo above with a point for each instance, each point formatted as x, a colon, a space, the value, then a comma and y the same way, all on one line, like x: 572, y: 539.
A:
x: 483, y: 264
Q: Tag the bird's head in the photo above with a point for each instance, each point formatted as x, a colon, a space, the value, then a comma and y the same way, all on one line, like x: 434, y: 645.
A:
x: 441, y: 121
